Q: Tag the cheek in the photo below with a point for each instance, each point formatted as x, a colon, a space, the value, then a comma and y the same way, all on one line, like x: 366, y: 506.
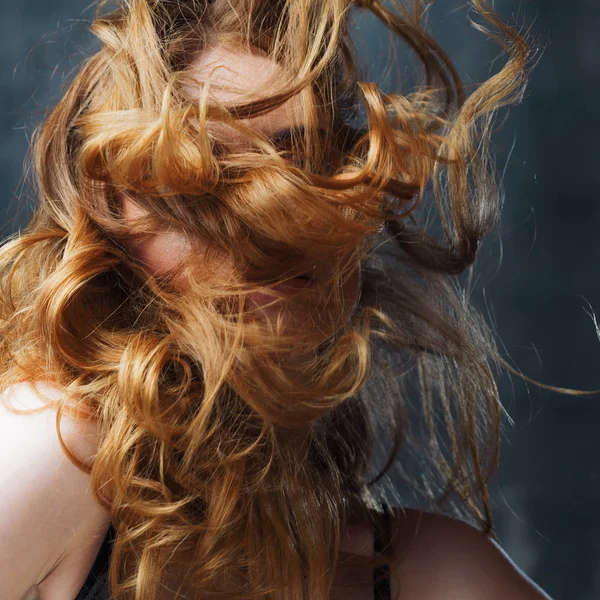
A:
x: 158, y: 252
x: 162, y: 251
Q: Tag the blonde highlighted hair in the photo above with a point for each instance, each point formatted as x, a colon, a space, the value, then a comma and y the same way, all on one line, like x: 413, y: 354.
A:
x: 219, y: 450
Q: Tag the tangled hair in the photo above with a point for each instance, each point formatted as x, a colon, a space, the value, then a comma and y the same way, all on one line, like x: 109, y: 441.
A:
x: 220, y: 448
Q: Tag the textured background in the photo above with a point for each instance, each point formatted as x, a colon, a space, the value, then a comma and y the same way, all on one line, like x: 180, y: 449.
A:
x: 538, y: 276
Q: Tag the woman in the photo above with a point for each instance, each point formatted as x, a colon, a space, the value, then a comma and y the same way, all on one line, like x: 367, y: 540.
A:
x: 197, y: 325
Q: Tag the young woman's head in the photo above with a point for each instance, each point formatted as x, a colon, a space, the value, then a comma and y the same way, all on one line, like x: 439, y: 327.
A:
x: 217, y: 187
x: 234, y: 74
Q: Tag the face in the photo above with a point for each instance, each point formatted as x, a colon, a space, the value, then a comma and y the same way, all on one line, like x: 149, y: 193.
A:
x: 249, y: 73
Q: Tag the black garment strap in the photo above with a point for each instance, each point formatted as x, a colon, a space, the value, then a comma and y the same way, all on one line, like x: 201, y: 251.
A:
x: 96, y: 584
x: 381, y: 575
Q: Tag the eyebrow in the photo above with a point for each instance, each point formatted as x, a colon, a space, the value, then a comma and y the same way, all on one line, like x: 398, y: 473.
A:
x: 349, y: 135
x: 279, y: 136
x: 287, y: 133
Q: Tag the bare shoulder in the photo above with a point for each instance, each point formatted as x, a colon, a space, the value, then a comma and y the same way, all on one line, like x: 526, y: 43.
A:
x: 47, y: 509
x: 440, y: 557
x: 81, y: 435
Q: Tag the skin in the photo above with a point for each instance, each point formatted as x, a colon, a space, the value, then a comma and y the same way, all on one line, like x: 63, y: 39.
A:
x: 248, y: 73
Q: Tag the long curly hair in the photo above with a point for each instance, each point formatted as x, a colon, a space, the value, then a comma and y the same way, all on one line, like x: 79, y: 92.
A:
x: 220, y: 448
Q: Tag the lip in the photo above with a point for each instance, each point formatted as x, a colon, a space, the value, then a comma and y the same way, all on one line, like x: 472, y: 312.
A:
x: 308, y: 277
x: 298, y: 283
x: 288, y: 287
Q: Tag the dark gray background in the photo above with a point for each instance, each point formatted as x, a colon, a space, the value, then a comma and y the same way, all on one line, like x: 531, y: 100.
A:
x: 547, y: 489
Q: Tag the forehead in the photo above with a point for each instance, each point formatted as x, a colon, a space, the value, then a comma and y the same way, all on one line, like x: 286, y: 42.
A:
x: 235, y: 75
